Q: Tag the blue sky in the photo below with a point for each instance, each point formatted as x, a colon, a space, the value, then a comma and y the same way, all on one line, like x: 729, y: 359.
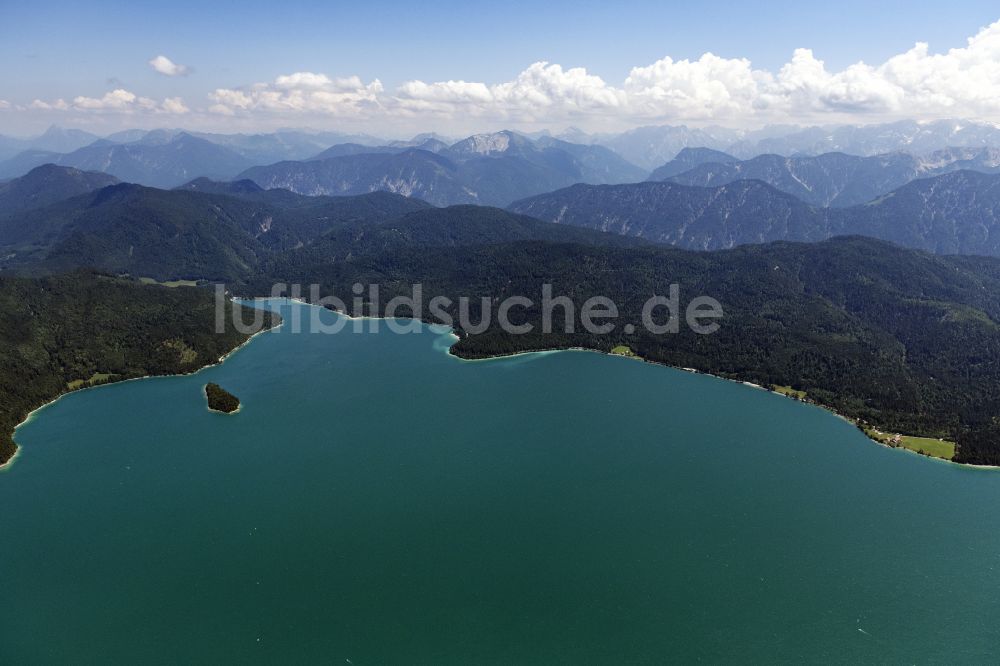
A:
x: 60, y: 51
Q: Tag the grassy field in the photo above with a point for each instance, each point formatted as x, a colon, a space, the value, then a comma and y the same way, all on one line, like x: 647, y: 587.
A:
x: 937, y: 448
x: 170, y: 283
x: 789, y: 391
x: 622, y: 350
x: 96, y: 378
x: 932, y: 447
x: 187, y: 353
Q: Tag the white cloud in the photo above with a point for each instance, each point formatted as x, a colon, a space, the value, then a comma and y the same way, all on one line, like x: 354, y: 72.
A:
x: 231, y: 99
x: 174, y: 105
x: 705, y: 88
x: 57, y: 105
x: 118, y: 100
x: 168, y: 67
x: 917, y: 83
x: 302, y: 92
x: 303, y: 80
x: 4, y: 104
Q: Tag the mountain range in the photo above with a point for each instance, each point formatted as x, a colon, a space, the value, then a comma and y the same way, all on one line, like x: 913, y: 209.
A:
x: 204, y: 230
x: 56, y: 218
x: 652, y: 146
x: 899, y: 338
x: 173, y: 161
x: 911, y: 136
x: 830, y: 179
x: 689, y: 158
x: 488, y: 169
x: 955, y: 213
x: 485, y: 169
x: 835, y: 166
x: 699, y: 218
x: 53, y: 140
x: 263, y: 148
x: 46, y: 185
x: 283, y: 144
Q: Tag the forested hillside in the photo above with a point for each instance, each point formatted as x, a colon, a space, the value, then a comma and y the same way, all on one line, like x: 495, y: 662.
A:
x: 81, y: 329
x: 903, y: 340
x: 192, y: 233
x: 954, y: 213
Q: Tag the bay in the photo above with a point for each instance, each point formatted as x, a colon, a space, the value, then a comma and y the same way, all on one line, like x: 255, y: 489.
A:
x: 378, y: 501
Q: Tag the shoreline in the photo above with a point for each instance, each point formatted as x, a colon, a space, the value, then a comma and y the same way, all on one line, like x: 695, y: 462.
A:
x: 31, y: 415
x: 239, y: 406
x: 10, y: 461
x: 219, y: 411
x: 550, y: 350
x: 495, y: 357
x: 748, y: 384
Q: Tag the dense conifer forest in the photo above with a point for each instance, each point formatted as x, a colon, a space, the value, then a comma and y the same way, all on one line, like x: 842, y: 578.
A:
x: 898, y: 339
x: 901, y: 339
x: 221, y: 400
x: 72, y: 331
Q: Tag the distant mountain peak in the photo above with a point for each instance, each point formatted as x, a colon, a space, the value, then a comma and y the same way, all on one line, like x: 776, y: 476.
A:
x: 689, y: 158
x: 831, y: 179
x: 203, y: 184
x: 53, y: 130
x: 490, y: 144
x: 704, y: 154
x: 47, y: 184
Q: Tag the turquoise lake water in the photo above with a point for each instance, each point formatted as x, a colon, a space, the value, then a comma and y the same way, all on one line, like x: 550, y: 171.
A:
x: 378, y: 501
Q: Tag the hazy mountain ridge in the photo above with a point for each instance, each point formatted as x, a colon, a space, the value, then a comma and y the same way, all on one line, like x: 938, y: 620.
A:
x: 865, y: 140
x: 831, y: 179
x: 415, y: 173
x: 652, y: 146
x: 170, y: 157
x: 691, y: 217
x: 54, y: 140
x: 282, y: 145
x: 649, y: 147
x: 185, y: 233
x: 485, y: 169
x: 46, y: 185
x: 166, y: 163
x: 957, y: 212
x: 689, y: 158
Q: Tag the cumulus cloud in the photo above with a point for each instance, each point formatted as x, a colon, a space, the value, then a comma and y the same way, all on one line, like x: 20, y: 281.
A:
x: 705, y: 88
x: 57, y: 105
x: 168, y: 67
x: 118, y: 100
x: 918, y: 83
x: 174, y: 105
x: 302, y: 92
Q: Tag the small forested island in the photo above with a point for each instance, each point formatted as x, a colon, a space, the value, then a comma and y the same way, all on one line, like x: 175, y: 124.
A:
x: 221, y: 400
x: 56, y: 331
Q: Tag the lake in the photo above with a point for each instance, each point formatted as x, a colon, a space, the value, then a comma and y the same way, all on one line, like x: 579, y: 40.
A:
x: 378, y: 501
